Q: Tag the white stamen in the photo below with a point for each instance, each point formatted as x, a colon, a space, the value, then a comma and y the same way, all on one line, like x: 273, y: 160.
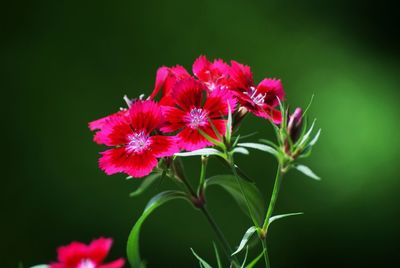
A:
x: 197, y: 117
x: 86, y: 263
x: 138, y: 142
x: 258, y: 99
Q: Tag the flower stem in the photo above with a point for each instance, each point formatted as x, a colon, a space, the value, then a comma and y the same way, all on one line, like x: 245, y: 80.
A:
x: 232, y: 164
x: 274, y: 196
x: 221, y: 237
x: 266, y: 259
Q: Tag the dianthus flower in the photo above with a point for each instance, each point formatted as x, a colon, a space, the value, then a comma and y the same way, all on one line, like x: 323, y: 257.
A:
x: 134, y: 134
x: 196, y: 110
x: 79, y: 255
x: 261, y: 99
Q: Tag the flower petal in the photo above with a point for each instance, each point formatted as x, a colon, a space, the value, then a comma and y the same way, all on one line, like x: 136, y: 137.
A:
x: 145, y: 116
x: 216, y: 104
x: 174, y: 117
x: 118, y: 160
x: 161, y: 77
x: 241, y: 75
x: 162, y: 146
x: 191, y: 139
x: 98, y: 249
x: 188, y: 93
x: 201, y: 68
x: 72, y: 254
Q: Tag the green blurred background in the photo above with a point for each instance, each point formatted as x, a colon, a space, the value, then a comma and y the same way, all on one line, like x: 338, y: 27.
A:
x: 66, y: 63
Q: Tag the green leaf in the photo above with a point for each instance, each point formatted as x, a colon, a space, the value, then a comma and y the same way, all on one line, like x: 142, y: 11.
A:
x: 315, y: 139
x: 246, y: 237
x: 307, y: 171
x: 204, y: 151
x: 145, y: 184
x: 308, y: 106
x: 229, y: 183
x: 307, y: 135
x: 254, y: 262
x: 270, y: 143
x: 259, y: 146
x: 228, y: 131
x: 133, y: 239
x: 203, y: 263
x: 240, y: 150
x: 277, y: 217
x: 245, y: 257
x: 217, y: 256
x: 39, y: 266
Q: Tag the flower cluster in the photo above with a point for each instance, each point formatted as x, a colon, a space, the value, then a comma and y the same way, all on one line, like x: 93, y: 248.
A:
x: 191, y: 113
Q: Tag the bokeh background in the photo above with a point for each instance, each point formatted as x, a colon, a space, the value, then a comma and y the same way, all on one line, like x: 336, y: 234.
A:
x: 65, y: 63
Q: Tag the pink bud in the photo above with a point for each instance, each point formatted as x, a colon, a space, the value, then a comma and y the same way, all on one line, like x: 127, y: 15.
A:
x: 294, y: 124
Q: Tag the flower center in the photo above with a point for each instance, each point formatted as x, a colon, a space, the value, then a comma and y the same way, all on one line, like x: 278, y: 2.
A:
x: 138, y: 142
x: 86, y: 263
x: 197, y: 117
x: 257, y: 98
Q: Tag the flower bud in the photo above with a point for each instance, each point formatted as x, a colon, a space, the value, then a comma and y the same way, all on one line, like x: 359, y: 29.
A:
x: 295, y: 124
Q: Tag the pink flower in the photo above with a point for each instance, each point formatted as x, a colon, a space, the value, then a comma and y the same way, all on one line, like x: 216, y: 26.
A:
x: 261, y: 99
x: 214, y: 75
x: 79, y: 255
x: 194, y: 110
x: 137, y: 145
x: 166, y: 78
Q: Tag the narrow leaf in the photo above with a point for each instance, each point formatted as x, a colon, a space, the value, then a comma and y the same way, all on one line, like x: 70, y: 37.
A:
x: 277, y: 217
x: 39, y: 266
x: 241, y: 150
x: 204, y: 151
x: 133, y: 239
x: 145, y: 184
x: 245, y: 257
x: 202, y: 262
x: 228, y: 131
x: 254, y: 262
x: 259, y: 146
x: 315, y: 139
x: 307, y: 171
x: 307, y: 135
x: 229, y: 184
x: 217, y: 256
x: 247, y: 235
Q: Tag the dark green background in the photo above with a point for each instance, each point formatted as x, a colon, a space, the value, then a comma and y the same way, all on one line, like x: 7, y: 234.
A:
x: 66, y: 63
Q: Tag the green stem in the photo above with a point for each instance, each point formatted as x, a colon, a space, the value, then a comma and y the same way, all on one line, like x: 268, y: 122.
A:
x: 274, y: 196
x: 232, y: 164
x: 224, y: 243
x: 204, y: 160
x: 266, y: 259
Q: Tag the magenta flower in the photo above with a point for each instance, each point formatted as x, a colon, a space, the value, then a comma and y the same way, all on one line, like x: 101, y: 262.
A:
x: 79, y: 255
x: 134, y: 135
x: 214, y: 75
x: 194, y: 109
x: 166, y: 78
x: 261, y: 99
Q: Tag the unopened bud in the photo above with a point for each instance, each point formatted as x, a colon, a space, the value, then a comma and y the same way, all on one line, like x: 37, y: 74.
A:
x: 294, y: 124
